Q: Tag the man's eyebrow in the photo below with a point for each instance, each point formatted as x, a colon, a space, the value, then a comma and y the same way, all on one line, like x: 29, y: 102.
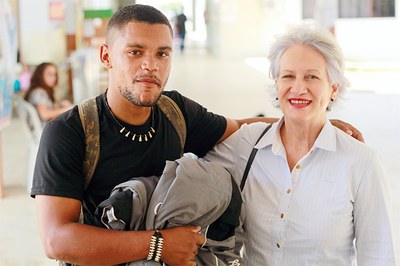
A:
x: 165, y: 48
x: 136, y: 45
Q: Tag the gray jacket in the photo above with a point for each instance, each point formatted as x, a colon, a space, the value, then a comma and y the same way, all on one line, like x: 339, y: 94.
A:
x: 189, y: 192
x: 126, y: 207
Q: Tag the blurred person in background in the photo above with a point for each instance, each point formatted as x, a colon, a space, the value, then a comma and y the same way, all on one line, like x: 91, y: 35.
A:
x: 180, y: 27
x: 41, y: 91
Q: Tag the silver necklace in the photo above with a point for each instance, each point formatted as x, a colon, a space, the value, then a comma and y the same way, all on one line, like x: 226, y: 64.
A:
x: 134, y: 136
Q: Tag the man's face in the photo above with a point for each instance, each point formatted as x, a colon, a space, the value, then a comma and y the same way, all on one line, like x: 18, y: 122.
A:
x: 138, y: 58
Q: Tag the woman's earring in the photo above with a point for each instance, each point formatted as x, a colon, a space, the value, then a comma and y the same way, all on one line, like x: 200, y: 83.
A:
x: 329, y: 107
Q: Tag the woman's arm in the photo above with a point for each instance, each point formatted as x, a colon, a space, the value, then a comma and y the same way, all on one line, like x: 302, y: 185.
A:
x: 372, y: 216
x: 47, y: 114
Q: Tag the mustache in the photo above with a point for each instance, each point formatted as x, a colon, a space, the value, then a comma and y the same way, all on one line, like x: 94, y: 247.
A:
x: 148, y: 76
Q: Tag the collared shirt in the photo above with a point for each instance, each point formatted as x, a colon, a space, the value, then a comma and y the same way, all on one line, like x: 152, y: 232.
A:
x: 331, y: 209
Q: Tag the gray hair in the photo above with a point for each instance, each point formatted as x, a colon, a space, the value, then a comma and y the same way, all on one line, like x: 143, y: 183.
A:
x: 320, y: 40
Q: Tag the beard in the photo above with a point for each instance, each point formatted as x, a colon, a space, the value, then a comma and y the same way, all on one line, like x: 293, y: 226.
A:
x: 132, y: 97
x: 133, y: 92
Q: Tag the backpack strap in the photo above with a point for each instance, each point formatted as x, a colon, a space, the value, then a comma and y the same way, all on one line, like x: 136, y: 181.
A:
x: 251, y: 158
x: 175, y: 116
x: 89, y: 116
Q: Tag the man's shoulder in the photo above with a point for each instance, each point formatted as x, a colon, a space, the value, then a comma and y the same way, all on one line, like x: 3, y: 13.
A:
x: 179, y: 99
x: 64, y: 123
x: 173, y: 94
x: 68, y: 116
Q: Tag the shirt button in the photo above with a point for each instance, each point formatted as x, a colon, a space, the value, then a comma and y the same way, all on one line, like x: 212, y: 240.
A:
x: 289, y: 191
x: 298, y: 166
x: 282, y: 215
x: 277, y: 245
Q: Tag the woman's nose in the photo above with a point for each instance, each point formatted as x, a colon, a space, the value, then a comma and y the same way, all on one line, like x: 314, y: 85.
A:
x: 299, y: 86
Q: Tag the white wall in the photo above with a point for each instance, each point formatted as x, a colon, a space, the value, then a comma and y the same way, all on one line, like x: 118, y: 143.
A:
x: 41, y: 39
x: 369, y: 39
x: 237, y: 28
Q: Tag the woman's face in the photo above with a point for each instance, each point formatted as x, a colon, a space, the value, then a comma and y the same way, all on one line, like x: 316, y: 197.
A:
x: 50, y: 76
x: 303, y: 87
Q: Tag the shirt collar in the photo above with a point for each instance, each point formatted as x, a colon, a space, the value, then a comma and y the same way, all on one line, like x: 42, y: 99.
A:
x: 272, y: 138
x: 326, y: 140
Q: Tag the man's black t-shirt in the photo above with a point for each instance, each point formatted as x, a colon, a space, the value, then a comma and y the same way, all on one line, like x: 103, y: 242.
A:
x: 58, y: 170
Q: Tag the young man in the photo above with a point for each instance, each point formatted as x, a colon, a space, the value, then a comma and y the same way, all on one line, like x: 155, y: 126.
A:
x: 137, y: 55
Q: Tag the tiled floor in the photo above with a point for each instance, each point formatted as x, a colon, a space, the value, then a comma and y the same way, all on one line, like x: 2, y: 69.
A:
x: 229, y: 87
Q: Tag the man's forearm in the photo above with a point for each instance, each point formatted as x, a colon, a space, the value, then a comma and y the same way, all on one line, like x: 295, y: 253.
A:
x: 89, y: 245
x: 268, y: 120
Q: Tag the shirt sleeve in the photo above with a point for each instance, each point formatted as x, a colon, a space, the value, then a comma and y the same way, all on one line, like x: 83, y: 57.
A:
x: 372, y: 217
x: 58, y: 169
x: 39, y: 96
x: 233, y: 153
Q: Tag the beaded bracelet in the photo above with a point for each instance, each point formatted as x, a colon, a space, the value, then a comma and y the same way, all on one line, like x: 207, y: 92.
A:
x: 156, y: 245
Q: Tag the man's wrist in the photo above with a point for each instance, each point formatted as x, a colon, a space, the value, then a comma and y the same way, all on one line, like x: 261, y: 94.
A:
x: 156, y: 245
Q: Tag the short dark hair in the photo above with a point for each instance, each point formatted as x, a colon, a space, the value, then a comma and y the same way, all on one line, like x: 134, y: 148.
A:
x: 137, y: 13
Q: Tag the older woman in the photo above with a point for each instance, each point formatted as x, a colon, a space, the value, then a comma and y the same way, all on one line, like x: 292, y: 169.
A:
x: 314, y: 195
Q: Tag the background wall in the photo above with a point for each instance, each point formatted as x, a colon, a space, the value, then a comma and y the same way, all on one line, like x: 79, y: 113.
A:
x: 369, y: 39
x: 245, y: 28
x: 41, y: 38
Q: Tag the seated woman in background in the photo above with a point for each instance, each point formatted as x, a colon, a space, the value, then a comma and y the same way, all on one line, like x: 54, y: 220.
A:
x: 41, y: 92
x: 314, y: 195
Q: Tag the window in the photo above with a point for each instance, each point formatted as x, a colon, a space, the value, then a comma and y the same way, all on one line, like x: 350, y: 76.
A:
x: 366, y: 8
x: 349, y: 8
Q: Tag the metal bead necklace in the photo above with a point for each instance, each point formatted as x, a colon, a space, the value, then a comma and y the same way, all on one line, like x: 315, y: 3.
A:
x: 134, y: 136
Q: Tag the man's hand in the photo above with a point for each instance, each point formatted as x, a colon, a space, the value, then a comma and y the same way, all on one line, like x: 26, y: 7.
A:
x: 181, y: 245
x: 349, y: 129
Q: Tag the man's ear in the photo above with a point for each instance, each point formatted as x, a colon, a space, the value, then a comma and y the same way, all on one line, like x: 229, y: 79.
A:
x: 105, y: 56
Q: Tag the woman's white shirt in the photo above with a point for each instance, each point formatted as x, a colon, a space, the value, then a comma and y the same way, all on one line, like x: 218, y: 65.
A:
x: 332, y: 209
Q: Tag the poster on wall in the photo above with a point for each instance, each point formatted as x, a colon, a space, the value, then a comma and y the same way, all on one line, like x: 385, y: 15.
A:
x: 8, y: 58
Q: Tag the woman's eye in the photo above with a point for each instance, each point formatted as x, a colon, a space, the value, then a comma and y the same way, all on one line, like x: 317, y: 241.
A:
x: 312, y: 77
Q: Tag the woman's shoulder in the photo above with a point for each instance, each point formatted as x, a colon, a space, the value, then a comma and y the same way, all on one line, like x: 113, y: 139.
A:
x: 256, y: 127
x: 39, y: 95
x: 39, y: 90
x: 349, y: 145
x: 251, y: 132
